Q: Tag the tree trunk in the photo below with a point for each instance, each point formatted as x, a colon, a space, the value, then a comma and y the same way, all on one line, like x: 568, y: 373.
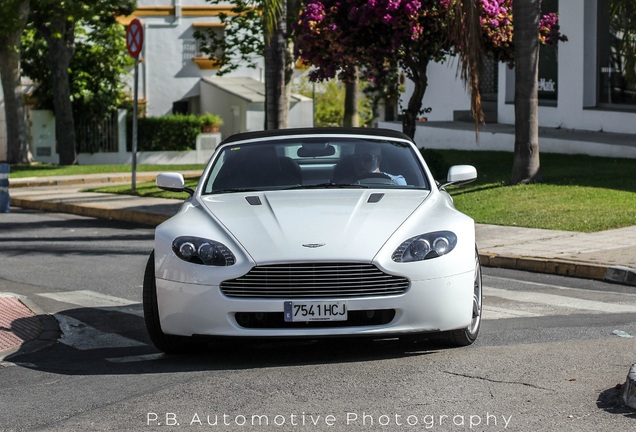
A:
x: 276, y: 91
x: 64, y: 120
x: 526, y: 164
x: 420, y: 79
x: 60, y: 37
x: 15, y: 113
x: 351, y: 118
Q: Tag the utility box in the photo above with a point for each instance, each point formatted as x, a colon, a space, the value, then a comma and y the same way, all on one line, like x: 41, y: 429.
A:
x: 4, y: 187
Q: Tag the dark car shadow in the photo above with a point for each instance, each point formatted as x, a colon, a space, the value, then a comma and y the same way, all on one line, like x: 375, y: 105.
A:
x: 108, y: 341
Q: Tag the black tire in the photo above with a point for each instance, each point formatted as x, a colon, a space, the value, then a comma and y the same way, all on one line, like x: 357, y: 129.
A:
x: 169, y: 344
x: 468, y: 335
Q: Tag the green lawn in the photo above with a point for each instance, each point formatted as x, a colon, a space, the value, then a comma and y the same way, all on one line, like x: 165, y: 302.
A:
x: 44, y: 170
x: 578, y: 193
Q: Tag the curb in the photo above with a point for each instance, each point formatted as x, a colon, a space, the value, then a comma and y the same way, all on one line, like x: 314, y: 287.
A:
x: 131, y: 216
x: 71, y: 181
x: 619, y: 274
x: 48, y: 336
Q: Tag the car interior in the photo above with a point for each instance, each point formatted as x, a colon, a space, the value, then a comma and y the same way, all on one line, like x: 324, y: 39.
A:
x: 288, y: 164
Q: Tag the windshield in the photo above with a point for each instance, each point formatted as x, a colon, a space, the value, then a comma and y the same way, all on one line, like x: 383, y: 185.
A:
x: 295, y: 163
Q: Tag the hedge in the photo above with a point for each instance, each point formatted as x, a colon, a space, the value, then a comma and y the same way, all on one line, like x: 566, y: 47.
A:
x: 170, y: 132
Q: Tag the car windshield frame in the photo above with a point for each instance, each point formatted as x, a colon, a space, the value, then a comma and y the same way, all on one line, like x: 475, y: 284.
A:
x: 315, y: 162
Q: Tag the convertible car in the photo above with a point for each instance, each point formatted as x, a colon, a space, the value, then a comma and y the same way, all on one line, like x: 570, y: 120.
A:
x: 313, y: 233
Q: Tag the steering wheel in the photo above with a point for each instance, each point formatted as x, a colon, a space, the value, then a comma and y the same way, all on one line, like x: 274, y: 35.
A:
x: 376, y: 175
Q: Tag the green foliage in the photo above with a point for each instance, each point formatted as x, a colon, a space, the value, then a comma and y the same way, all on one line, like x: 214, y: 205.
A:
x: 209, y: 119
x: 10, y: 13
x: 241, y: 41
x: 47, y: 170
x: 171, y: 132
x: 96, y: 69
x: 436, y: 163
x: 329, y: 99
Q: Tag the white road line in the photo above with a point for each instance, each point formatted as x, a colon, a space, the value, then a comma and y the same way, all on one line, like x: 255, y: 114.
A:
x: 88, y: 298
x: 559, y: 301
x: 494, y: 313
x: 92, y: 299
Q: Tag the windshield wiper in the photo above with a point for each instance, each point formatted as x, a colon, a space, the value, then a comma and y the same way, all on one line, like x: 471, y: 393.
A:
x: 229, y: 190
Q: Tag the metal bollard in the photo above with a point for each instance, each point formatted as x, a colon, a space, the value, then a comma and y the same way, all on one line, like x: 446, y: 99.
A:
x: 4, y: 187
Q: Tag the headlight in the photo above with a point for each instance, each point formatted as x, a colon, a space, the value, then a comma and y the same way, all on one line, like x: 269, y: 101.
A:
x: 425, y: 246
x: 202, y: 251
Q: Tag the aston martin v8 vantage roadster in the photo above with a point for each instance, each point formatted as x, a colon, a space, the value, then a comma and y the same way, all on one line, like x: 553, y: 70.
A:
x: 312, y: 233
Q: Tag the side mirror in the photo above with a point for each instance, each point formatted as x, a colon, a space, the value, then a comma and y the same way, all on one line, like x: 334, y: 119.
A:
x: 460, y: 174
x: 172, y: 182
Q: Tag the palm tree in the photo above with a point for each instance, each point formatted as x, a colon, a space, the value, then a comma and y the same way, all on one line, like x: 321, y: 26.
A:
x: 274, y: 28
x: 278, y: 60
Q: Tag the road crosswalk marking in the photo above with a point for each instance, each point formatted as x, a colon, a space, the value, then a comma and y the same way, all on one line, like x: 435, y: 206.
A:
x: 498, y: 304
x: 88, y: 298
x: 566, y: 303
x: 494, y: 313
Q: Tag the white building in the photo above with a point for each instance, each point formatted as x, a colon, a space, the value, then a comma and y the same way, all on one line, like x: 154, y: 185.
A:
x: 581, y: 84
x: 174, y: 75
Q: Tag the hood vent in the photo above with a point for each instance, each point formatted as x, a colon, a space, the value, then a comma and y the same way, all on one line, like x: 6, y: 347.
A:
x: 375, y: 197
x: 253, y: 200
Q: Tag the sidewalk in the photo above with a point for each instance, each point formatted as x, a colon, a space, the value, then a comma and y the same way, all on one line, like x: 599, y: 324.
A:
x: 606, y: 256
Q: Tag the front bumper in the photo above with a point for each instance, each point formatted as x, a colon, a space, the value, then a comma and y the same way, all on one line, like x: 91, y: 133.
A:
x: 429, y: 305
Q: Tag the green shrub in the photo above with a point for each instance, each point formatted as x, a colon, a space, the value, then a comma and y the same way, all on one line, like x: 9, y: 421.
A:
x: 436, y: 163
x: 170, y: 132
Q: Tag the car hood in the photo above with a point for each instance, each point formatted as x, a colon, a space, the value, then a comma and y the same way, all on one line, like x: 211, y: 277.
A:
x: 297, y: 226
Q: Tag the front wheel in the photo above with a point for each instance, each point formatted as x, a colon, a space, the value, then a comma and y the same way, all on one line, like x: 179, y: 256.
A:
x: 468, y: 335
x: 170, y: 344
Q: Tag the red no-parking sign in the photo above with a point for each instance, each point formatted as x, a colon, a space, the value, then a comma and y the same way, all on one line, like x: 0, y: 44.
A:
x: 134, y: 38
x: 134, y: 43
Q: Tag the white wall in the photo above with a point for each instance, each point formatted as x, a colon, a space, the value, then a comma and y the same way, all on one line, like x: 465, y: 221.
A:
x: 444, y: 94
x: 167, y: 72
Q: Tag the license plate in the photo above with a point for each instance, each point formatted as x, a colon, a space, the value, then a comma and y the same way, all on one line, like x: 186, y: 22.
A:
x: 299, y: 311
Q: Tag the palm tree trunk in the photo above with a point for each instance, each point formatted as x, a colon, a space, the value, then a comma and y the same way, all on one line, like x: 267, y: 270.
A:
x: 276, y: 92
x: 526, y: 162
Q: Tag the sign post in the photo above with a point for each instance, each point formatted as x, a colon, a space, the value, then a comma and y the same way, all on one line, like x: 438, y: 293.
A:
x: 134, y: 43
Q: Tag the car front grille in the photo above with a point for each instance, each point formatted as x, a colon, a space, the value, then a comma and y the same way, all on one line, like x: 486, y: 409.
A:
x: 315, y: 280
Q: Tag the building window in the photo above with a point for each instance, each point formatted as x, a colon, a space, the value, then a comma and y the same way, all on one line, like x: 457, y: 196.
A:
x: 617, y: 54
x: 548, y: 62
x: 205, y: 36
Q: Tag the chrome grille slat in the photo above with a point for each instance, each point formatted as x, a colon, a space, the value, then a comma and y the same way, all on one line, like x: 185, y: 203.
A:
x: 319, y: 280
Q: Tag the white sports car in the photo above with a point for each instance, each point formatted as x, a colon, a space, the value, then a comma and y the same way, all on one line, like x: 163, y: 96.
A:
x: 311, y: 233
